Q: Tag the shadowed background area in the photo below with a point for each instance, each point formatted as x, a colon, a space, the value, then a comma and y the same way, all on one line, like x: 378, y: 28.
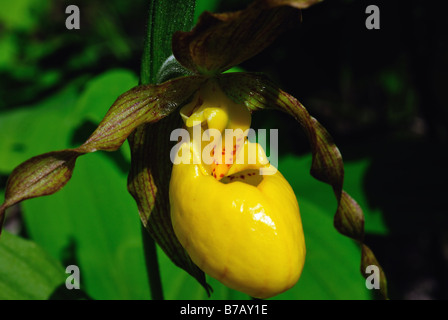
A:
x: 380, y: 93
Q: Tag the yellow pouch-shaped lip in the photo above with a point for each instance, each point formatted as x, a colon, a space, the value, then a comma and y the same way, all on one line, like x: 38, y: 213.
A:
x: 244, y: 230
x: 238, y: 226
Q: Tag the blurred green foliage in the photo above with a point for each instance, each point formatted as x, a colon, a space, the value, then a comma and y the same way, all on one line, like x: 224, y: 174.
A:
x: 26, y: 271
x: 369, y: 88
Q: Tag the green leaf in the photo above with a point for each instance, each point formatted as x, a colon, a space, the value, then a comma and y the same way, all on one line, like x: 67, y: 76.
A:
x: 94, y: 224
x: 332, y: 262
x: 354, y: 175
x: 331, y: 270
x: 27, y: 271
x: 355, y: 172
x: 205, y: 5
x: 165, y: 17
x: 179, y: 285
x: 100, y: 93
x: 30, y: 130
x: 22, y: 15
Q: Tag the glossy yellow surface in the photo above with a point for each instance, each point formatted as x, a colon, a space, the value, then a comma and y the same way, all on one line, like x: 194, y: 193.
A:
x: 243, y: 228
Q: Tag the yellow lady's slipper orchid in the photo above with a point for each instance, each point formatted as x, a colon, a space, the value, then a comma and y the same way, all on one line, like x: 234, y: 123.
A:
x: 239, y: 226
x: 231, y: 210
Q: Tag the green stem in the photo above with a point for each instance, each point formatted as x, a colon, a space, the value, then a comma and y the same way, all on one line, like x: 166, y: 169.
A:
x: 164, y: 18
x: 152, y: 265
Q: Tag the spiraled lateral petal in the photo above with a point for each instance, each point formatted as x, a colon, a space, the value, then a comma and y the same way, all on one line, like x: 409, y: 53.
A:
x: 257, y: 92
x: 48, y: 173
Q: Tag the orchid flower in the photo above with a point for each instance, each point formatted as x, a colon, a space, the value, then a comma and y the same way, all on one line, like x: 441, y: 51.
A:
x: 225, y: 219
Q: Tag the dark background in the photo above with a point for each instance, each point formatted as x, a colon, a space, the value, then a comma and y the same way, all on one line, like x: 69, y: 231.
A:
x: 380, y: 93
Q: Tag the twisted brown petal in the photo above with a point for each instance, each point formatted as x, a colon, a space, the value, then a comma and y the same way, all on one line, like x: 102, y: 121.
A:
x: 256, y: 92
x: 223, y: 40
x: 48, y: 173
